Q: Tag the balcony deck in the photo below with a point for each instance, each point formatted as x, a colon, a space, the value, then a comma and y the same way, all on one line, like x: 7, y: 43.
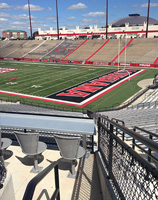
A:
x: 85, y: 186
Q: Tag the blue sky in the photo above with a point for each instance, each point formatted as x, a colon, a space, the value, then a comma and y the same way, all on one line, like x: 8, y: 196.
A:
x: 14, y: 14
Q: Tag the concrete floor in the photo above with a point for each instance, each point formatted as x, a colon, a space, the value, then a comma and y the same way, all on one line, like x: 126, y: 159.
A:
x: 85, y: 187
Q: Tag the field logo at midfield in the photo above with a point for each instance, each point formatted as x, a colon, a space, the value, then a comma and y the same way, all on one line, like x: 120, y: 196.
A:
x: 86, y: 92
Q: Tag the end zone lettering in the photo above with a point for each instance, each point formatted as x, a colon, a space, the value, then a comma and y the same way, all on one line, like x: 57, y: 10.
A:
x: 84, y: 91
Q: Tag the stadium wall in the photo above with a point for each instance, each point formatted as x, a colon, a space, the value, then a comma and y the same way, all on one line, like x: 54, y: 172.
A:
x: 81, y: 62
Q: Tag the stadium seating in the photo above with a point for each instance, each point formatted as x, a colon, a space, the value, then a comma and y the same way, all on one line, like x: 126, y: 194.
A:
x: 43, y: 49
x: 63, y: 49
x: 109, y: 51
x: 11, y: 47
x: 86, y: 50
x: 140, y: 51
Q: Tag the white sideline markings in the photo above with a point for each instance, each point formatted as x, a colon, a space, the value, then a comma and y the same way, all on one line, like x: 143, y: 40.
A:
x: 35, y: 63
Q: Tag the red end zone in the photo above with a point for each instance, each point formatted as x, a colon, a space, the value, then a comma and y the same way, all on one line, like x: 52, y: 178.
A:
x: 87, y: 92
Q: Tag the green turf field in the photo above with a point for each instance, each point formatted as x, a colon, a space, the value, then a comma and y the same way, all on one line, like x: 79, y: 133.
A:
x: 43, y: 79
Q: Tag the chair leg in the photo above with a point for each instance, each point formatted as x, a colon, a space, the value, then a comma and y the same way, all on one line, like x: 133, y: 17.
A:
x: 36, y: 168
x: 35, y: 162
x: 73, y: 167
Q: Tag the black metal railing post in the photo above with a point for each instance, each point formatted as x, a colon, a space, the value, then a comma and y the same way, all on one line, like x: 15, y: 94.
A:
x: 99, y: 132
x: 110, y: 150
x: 56, y: 173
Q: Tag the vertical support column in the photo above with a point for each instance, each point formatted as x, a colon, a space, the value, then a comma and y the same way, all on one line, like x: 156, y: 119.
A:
x: 98, y: 122
x: 110, y: 151
x: 0, y: 143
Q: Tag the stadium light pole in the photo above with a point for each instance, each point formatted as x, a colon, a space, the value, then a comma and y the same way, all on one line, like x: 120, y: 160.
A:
x: 147, y: 19
x: 57, y: 19
x: 106, y: 19
x: 30, y: 19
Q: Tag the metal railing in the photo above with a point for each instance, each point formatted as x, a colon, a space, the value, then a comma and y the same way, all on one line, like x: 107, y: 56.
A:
x: 29, y: 192
x: 130, y: 174
x: 143, y: 148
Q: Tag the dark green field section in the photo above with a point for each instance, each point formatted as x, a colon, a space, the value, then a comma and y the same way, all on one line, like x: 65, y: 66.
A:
x: 42, y: 79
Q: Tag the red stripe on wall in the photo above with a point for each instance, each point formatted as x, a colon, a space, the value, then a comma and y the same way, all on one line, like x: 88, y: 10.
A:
x: 74, y: 50
x: 155, y: 61
x: 98, y: 50
x: 122, y: 50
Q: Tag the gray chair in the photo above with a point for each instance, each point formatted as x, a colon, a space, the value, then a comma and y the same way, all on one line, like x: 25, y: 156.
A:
x: 31, y: 146
x: 70, y: 149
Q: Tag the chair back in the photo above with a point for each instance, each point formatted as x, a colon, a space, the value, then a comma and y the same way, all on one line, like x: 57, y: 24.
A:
x: 28, y: 142
x: 68, y: 146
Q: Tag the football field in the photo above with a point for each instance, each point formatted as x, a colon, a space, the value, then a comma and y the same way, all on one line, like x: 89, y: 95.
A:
x: 45, y: 79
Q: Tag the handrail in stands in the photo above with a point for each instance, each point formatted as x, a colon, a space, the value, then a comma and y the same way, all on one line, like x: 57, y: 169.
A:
x: 29, y: 192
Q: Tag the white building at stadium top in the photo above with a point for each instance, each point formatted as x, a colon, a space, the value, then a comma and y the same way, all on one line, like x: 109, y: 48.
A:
x: 133, y: 26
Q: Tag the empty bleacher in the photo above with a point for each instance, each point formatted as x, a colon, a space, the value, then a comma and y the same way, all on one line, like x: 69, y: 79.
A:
x: 12, y: 47
x: 63, y: 49
x: 3, y: 44
x: 43, y: 49
x: 18, y: 49
x: 86, y: 50
x: 140, y: 51
x: 109, y: 51
x: 144, y: 118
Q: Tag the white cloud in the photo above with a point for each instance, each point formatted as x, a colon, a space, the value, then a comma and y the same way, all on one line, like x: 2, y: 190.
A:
x: 18, y: 23
x: 4, y: 15
x: 117, y: 7
x: 71, y: 18
x: 19, y: 17
x: 94, y: 14
x: 49, y: 8
x: 78, y: 6
x: 87, y: 22
x: 3, y: 20
x: 32, y: 7
x: 151, y: 5
x: 134, y: 5
x: 50, y: 18
x: 4, y: 6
